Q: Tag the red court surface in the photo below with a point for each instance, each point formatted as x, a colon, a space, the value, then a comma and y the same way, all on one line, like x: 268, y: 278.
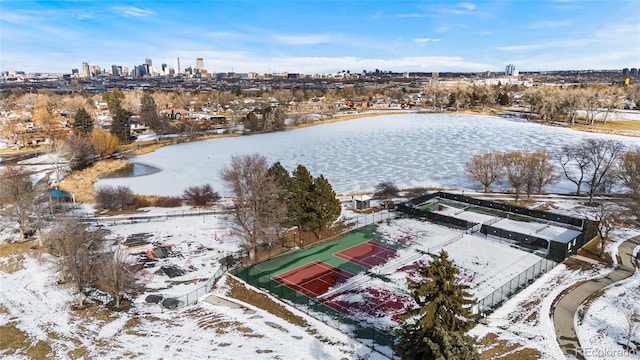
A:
x: 368, y: 254
x: 381, y: 308
x: 314, y: 278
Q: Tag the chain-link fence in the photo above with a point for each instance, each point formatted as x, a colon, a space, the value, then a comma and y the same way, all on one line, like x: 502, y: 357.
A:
x: 227, y: 263
x: 362, y: 220
x: 514, y: 285
x: 367, y: 334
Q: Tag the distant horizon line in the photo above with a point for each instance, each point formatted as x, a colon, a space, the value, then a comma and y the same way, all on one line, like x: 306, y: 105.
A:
x: 340, y: 71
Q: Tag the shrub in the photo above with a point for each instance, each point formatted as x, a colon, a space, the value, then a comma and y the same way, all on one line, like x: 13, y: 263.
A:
x: 168, y: 201
x: 200, y: 195
x: 140, y: 202
x: 118, y: 198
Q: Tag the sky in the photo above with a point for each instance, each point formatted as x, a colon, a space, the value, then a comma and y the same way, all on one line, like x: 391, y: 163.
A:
x: 310, y: 36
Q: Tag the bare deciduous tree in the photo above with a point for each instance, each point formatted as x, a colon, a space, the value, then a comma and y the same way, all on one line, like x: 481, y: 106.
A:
x: 516, y: 170
x: 572, y: 102
x: 19, y: 197
x: 601, y: 155
x: 258, y: 209
x: 200, y: 195
x: 73, y: 247
x: 575, y: 164
x: 116, y: 275
x: 485, y: 168
x: 118, y: 198
x: 627, y: 170
x: 541, y: 171
x: 607, y: 217
x: 631, y: 325
x: 386, y: 191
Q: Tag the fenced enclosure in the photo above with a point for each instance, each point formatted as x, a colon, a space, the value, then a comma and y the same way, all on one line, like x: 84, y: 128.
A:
x: 360, y: 221
x: 227, y: 263
x: 517, y: 283
x: 376, y: 339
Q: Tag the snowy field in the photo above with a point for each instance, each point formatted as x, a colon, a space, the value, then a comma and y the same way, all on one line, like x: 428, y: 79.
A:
x: 486, y: 264
x: 604, y: 331
x: 355, y: 155
x: 197, y: 243
x: 40, y: 308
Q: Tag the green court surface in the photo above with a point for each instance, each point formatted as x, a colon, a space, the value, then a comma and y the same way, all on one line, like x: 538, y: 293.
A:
x: 260, y: 274
x: 323, y: 252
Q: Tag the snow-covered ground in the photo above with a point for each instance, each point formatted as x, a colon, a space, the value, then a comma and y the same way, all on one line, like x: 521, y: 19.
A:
x: 524, y: 320
x: 33, y: 302
x: 604, y: 332
x: 409, y: 150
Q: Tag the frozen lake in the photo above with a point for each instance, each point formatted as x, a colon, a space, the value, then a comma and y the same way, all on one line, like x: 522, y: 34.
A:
x: 408, y: 150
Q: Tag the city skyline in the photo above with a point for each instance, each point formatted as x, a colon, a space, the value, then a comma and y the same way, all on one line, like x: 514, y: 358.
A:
x: 314, y: 36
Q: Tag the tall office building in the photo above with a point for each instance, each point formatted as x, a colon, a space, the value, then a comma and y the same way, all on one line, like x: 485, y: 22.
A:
x: 177, y: 65
x: 510, y: 70
x: 114, y: 70
x: 148, y: 66
x: 85, y: 70
x: 199, y: 63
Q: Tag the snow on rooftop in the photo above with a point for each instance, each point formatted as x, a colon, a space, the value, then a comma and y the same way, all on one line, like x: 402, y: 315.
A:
x: 541, y: 230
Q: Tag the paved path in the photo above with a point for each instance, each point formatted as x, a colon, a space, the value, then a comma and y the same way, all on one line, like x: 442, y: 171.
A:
x: 563, y: 314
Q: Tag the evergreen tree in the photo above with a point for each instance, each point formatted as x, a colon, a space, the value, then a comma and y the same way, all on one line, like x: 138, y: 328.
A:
x: 120, y: 125
x: 437, y: 344
x: 113, y: 99
x: 436, y: 328
x: 311, y: 202
x: 149, y: 114
x: 284, y: 180
x: 82, y: 121
x: 325, y: 206
x: 300, y: 211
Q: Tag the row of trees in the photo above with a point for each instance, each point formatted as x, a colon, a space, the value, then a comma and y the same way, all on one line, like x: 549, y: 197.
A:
x: 596, y: 163
x: 523, y: 170
x: 596, y: 102
x: 122, y: 198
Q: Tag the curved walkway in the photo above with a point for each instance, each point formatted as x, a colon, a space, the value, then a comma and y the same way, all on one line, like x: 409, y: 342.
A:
x: 563, y: 314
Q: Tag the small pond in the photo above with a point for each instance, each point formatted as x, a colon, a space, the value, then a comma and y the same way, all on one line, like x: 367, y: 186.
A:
x: 131, y: 170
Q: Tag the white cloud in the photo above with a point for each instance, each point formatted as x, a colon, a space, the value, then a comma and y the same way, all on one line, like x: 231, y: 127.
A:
x: 466, y: 5
x: 133, y: 11
x: 458, y: 9
x: 424, y: 40
x: 227, y: 35
x: 544, y: 24
x: 414, y: 15
x: 302, y: 39
x: 564, y: 43
x: 14, y: 17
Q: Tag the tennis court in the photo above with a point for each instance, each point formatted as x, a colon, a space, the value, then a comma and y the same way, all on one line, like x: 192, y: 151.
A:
x: 368, y: 254
x: 313, y: 279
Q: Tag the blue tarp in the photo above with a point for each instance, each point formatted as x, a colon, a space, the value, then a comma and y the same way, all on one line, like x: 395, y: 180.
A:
x: 58, y: 194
